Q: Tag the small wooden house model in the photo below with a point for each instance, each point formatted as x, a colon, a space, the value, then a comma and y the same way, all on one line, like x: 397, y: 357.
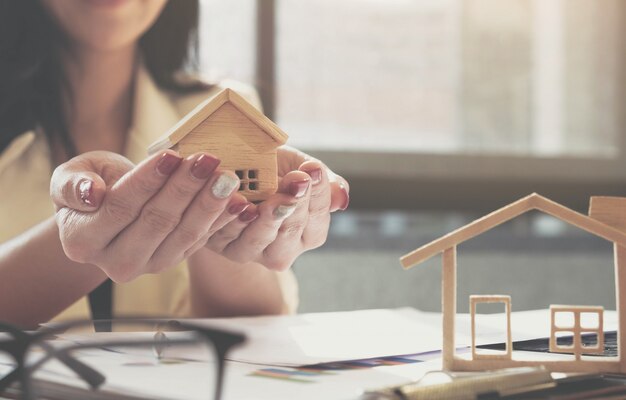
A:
x: 607, y: 220
x: 230, y: 128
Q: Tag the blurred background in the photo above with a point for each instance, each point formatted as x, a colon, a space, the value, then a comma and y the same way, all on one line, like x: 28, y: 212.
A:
x: 438, y: 111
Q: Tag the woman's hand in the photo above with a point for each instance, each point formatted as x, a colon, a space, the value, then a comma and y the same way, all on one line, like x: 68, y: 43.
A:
x: 131, y: 220
x: 290, y: 222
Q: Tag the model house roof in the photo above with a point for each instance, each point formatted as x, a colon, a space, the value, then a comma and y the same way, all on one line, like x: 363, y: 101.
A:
x: 208, y: 107
x: 504, y: 214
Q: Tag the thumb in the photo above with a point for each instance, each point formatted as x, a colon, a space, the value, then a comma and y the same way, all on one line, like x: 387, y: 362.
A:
x: 339, y: 192
x: 79, y: 190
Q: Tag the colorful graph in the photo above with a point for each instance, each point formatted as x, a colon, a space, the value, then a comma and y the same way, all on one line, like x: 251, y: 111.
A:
x: 312, y: 373
x: 299, y: 375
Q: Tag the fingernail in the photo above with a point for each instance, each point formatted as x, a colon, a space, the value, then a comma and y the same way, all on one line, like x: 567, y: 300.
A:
x: 284, y: 211
x: 168, y: 164
x: 86, y: 193
x: 299, y: 188
x: 224, y: 186
x: 316, y: 175
x: 248, y: 215
x: 346, y: 201
x: 204, y: 166
x: 238, y: 208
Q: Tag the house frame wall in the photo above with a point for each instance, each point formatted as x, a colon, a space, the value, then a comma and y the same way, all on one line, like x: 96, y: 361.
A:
x: 586, y: 364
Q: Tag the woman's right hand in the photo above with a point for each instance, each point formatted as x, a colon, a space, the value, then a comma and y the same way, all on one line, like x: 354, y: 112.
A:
x: 129, y: 220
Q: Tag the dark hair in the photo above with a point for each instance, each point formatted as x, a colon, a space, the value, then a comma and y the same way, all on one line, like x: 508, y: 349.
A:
x: 32, y: 81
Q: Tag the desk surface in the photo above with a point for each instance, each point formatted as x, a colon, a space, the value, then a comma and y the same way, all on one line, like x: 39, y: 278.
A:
x: 340, y: 380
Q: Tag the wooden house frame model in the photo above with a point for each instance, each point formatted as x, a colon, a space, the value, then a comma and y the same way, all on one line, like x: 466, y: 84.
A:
x: 606, y: 219
x: 233, y: 130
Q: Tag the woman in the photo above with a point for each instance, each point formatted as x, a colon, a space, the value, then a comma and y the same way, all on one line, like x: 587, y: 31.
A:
x: 99, y: 78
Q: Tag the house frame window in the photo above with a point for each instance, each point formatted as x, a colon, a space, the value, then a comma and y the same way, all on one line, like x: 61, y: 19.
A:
x: 475, y: 300
x: 576, y: 329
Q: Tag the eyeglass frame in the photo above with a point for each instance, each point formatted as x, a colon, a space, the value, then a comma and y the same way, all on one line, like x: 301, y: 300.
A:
x: 21, y: 341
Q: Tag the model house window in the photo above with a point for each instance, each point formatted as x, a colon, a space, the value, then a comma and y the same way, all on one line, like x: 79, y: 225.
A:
x: 249, y: 179
x: 577, y: 322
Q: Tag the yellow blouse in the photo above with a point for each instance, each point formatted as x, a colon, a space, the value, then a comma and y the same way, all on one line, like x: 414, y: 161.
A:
x: 26, y: 168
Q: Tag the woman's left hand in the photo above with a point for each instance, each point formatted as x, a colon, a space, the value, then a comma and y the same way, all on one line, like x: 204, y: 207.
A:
x: 293, y: 220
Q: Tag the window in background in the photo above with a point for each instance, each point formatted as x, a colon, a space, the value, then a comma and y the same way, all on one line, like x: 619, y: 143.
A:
x: 227, y: 33
x: 521, y: 77
x: 507, y: 93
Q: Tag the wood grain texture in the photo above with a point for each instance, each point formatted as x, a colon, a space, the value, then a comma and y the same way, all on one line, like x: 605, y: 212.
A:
x: 620, y: 299
x: 506, y: 213
x: 188, y: 122
x: 579, y: 220
x: 233, y: 130
x: 576, y: 330
x: 609, y: 210
x: 589, y: 364
x: 206, y: 109
x: 607, y: 220
x: 448, y: 304
x: 239, y: 143
x: 466, y: 232
x: 257, y: 117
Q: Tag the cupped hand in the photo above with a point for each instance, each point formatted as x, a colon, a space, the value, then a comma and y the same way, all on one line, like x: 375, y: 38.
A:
x: 293, y: 220
x: 130, y: 220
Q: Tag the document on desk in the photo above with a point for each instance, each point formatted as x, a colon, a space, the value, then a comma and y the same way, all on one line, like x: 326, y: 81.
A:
x: 186, y: 381
x: 352, y: 335
x: 307, y: 339
x: 315, y: 338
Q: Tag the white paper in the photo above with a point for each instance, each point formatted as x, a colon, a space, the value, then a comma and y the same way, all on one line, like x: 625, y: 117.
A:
x: 309, y: 339
x: 338, y: 385
x: 327, y: 337
x: 188, y: 381
x: 316, y: 338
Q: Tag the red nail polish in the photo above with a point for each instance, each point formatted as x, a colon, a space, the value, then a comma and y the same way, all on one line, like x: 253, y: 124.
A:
x: 298, y: 188
x: 248, y: 215
x: 316, y: 175
x: 85, y: 190
x: 168, y: 164
x: 238, y: 208
x: 204, y: 166
x: 346, y: 197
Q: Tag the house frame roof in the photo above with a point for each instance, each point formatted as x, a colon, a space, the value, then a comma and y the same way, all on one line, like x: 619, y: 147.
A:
x: 208, y: 107
x: 507, y: 213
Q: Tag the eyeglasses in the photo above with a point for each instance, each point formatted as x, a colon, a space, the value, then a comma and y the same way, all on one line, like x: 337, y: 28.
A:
x: 140, y: 357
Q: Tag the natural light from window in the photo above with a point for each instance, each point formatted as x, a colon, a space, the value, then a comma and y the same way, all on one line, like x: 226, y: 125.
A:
x: 512, y: 77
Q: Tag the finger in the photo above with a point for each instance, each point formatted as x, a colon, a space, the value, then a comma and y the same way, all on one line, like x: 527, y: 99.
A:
x: 262, y: 231
x: 316, y: 229
x: 340, y: 192
x: 288, y: 243
x: 81, y: 191
x: 289, y: 159
x: 163, y: 212
x: 125, y: 199
x: 80, y: 183
x: 231, y: 231
x: 292, y: 194
x: 121, y: 205
x: 198, y: 219
x: 235, y: 207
